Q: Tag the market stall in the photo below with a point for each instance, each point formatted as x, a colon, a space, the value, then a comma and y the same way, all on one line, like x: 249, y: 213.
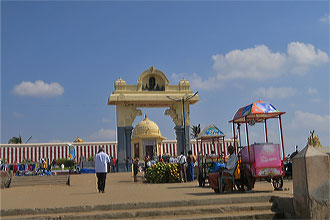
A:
x: 206, y: 162
x: 260, y: 160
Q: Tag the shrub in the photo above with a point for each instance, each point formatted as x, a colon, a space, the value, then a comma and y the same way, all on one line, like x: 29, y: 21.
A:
x: 163, y: 173
x: 66, y: 162
x: 91, y: 158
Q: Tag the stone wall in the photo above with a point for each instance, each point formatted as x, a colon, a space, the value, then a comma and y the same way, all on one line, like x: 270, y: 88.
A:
x: 311, y: 184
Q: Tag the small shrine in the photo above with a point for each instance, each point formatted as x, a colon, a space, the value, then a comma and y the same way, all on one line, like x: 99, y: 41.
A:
x: 146, y: 139
x: 78, y: 140
x: 213, y: 134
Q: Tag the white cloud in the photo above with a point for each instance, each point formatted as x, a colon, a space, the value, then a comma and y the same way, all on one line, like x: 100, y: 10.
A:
x: 255, y: 63
x: 55, y: 141
x: 177, y: 76
x: 310, y: 121
x: 325, y: 18
x: 316, y: 100
x: 106, y: 120
x: 311, y: 91
x: 301, y: 57
x: 103, y: 135
x: 260, y: 63
x: 17, y: 115
x: 280, y: 93
x: 198, y: 83
x: 38, y: 89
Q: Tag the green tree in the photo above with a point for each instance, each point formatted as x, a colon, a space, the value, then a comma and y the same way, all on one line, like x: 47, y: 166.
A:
x: 195, y: 130
x: 15, y: 140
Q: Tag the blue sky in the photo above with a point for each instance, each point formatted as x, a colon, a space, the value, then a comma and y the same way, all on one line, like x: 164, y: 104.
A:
x: 59, y: 61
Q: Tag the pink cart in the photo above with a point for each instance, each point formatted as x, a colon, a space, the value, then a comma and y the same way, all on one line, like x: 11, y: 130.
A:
x: 259, y: 160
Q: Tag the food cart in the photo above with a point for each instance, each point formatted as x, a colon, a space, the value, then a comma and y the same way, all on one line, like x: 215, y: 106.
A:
x: 259, y: 160
x: 206, y: 161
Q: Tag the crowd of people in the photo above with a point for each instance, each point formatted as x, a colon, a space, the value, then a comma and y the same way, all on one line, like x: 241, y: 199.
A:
x: 27, y: 168
x: 104, y: 164
x: 186, y: 164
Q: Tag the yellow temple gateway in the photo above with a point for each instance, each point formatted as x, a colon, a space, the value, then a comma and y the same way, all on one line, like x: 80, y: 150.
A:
x: 152, y: 90
x: 146, y: 138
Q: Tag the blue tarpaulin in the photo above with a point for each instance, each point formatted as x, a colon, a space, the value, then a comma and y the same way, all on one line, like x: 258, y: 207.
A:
x: 87, y: 170
x: 217, y: 166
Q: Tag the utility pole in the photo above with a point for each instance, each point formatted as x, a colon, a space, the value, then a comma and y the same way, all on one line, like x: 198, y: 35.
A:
x: 183, y: 100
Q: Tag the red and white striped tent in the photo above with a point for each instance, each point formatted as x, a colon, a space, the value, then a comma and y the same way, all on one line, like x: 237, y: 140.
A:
x: 16, y: 153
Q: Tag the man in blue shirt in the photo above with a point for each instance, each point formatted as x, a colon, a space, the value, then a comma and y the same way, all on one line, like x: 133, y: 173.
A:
x: 101, y: 168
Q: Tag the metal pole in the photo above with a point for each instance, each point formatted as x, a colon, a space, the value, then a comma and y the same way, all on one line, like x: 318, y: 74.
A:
x: 239, y: 134
x: 234, y: 137
x: 184, y: 128
x: 282, y: 142
x: 184, y: 118
x: 266, y: 131
x: 247, y: 138
x: 223, y: 144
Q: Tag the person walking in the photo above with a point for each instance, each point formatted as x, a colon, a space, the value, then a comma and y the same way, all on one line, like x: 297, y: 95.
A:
x: 190, y: 167
x: 101, y: 168
x: 182, y: 160
x: 114, y: 164
x: 135, y: 162
x: 127, y: 164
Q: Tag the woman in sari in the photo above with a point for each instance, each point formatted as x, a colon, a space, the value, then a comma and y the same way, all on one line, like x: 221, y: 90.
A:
x: 190, y: 168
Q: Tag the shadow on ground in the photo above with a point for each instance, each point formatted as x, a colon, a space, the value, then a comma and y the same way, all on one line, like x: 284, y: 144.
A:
x: 182, y: 187
x: 228, y: 193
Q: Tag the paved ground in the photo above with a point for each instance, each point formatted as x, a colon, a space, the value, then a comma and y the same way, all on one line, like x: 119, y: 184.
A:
x: 120, y: 188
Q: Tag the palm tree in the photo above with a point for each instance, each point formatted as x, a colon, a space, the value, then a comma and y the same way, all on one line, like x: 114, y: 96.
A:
x: 195, y: 130
x: 15, y: 140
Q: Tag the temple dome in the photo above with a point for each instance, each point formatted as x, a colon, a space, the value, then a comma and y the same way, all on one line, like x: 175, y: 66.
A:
x: 120, y: 84
x: 146, y: 129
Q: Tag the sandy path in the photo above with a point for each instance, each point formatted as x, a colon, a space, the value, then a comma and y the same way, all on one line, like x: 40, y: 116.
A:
x: 119, y: 189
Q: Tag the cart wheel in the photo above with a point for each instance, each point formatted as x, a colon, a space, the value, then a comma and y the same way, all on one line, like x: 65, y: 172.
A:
x: 277, y: 183
x: 239, y: 185
x: 249, y: 182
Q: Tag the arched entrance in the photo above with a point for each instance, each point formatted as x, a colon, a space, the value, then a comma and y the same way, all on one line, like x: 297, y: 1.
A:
x: 146, y: 139
x: 151, y: 91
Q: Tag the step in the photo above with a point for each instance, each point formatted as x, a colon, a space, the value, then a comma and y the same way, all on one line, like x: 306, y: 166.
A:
x: 38, y: 184
x: 166, y: 212
x: 262, y: 214
x: 130, y: 206
x: 38, y: 180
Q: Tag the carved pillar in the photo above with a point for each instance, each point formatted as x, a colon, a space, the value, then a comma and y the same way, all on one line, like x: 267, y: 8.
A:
x: 187, y: 107
x: 179, y: 139
x: 121, y: 148
x: 128, y: 136
x: 125, y: 117
x: 176, y: 113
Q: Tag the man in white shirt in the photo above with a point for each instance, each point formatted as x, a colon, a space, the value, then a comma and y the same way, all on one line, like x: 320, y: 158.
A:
x: 228, y: 169
x: 182, y: 160
x: 231, y: 162
x: 101, y: 168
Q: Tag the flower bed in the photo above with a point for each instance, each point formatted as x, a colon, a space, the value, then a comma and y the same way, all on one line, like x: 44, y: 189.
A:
x: 163, y: 173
